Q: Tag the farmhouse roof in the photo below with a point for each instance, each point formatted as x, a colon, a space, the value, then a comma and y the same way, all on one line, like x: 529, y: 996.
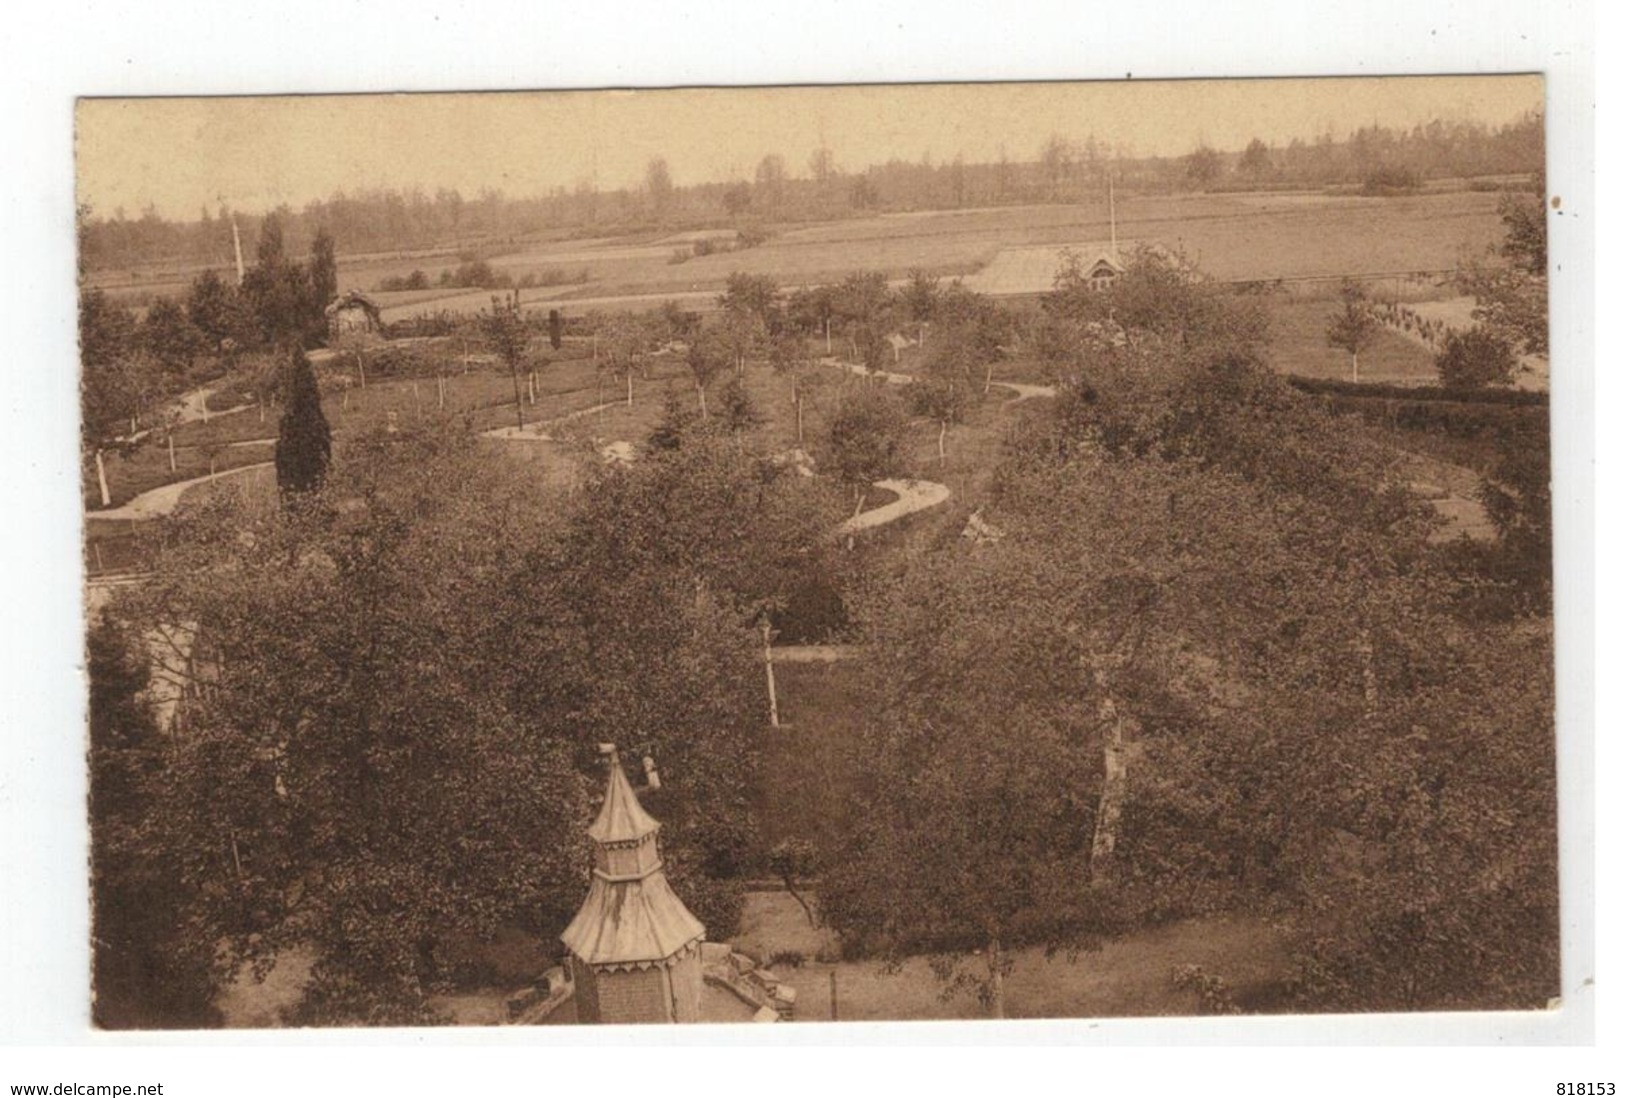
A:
x: 353, y: 299
x: 1094, y: 258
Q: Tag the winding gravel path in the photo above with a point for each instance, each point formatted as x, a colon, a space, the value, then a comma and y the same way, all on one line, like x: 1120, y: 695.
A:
x: 164, y: 500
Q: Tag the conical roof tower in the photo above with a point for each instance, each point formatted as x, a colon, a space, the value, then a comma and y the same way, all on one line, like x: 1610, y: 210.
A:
x: 634, y: 947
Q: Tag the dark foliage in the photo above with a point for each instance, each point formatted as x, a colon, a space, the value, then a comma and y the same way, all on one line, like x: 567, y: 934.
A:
x: 146, y: 972
x: 304, y: 445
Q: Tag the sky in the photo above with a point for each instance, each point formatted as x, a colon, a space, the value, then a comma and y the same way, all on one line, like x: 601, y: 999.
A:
x: 253, y: 153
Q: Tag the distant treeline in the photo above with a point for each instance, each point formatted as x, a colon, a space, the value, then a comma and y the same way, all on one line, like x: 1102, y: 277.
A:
x: 1373, y: 158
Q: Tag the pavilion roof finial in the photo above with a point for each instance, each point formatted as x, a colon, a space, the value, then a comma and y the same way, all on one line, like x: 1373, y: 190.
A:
x: 621, y: 819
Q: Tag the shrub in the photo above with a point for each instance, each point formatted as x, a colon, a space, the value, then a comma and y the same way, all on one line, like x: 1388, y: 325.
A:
x: 1475, y: 358
x: 1213, y: 992
x: 1418, y: 393
x: 1391, y: 180
x: 417, y: 280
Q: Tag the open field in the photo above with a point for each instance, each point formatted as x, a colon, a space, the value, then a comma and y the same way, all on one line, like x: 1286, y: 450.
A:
x: 1231, y: 237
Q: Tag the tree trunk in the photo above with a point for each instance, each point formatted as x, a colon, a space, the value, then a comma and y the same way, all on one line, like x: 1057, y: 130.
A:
x: 101, y: 480
x: 1366, y: 652
x: 987, y: 385
x: 942, y: 440
x: 171, y: 441
x: 440, y: 392
x: 772, y: 688
x: 790, y: 887
x: 1354, y: 358
x: 518, y: 401
x: 995, y: 972
x: 705, y: 412
x: 827, y: 350
x: 801, y: 434
x: 1112, y: 793
x: 361, y: 367
x: 629, y: 388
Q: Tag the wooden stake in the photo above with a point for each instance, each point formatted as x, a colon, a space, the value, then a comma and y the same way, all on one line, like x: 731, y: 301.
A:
x: 772, y: 689
x: 101, y: 480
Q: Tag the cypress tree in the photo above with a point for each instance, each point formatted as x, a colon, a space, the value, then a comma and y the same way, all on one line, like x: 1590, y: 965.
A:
x: 304, y: 443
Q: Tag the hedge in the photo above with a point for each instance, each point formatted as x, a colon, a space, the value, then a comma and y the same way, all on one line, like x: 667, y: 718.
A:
x: 1419, y: 393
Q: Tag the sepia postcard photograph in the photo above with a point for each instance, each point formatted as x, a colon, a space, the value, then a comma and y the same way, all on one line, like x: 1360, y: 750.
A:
x: 807, y: 554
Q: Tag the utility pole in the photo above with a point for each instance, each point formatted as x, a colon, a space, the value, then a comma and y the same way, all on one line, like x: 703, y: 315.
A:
x: 237, y: 245
x: 1111, y: 207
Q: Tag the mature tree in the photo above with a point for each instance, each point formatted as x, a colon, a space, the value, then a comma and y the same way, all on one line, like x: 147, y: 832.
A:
x: 863, y: 438
x: 657, y: 182
x: 863, y: 303
x: 1163, y: 294
x: 770, y: 181
x: 216, y: 309
x: 107, y: 350
x: 967, y: 337
x: 1203, y: 167
x: 304, y: 444
x: 787, y: 354
x: 754, y: 296
x: 1055, y: 158
x: 509, y: 336
x: 1475, y: 358
x: 821, y: 166
x: 1242, y: 632
x: 943, y: 400
x: 624, y: 348
x: 355, y: 781
x: 811, y: 310
x: 1255, y: 159
x: 708, y: 355
x: 278, y: 290
x: 736, y: 198
x: 1354, y: 326
x: 1517, y: 496
x: 117, y: 380
x: 739, y: 412
x: 168, y: 335
x: 863, y: 194
x: 324, y: 281
x: 146, y: 972
x: 918, y: 298
x: 1511, y: 288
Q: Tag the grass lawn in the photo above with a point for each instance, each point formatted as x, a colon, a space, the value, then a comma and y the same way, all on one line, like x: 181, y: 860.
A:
x: 1128, y: 977
x: 1298, y: 346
